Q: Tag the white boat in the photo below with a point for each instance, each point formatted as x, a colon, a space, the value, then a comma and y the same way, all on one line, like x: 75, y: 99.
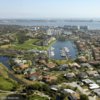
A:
x: 63, y: 53
x: 52, y: 53
x: 66, y: 49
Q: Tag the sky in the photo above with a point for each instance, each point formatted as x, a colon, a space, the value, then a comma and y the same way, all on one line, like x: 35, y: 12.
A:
x: 49, y: 9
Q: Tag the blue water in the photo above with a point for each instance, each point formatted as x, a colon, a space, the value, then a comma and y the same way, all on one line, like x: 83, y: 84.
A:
x: 60, y: 44
x: 5, y: 60
x: 91, y: 25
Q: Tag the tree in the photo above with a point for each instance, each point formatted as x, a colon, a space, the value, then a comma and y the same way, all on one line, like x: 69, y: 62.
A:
x: 84, y: 97
x: 21, y: 37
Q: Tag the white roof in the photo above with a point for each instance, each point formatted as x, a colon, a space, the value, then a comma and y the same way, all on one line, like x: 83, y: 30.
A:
x: 88, y: 81
x: 16, y: 60
x: 53, y: 88
x: 94, y: 86
x: 69, y: 91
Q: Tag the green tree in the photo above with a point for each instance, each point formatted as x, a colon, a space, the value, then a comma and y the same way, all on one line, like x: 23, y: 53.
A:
x: 84, y: 97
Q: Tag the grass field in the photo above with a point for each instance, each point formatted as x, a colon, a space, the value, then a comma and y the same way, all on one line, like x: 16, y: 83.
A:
x: 37, y: 97
x: 6, y: 84
x: 29, y: 44
x: 3, y: 71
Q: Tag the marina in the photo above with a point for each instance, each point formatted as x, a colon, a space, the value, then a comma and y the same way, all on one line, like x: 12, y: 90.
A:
x: 63, y: 50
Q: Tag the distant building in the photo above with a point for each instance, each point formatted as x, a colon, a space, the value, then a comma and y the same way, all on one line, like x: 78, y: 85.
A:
x: 69, y: 27
x: 83, y: 27
x: 67, y: 32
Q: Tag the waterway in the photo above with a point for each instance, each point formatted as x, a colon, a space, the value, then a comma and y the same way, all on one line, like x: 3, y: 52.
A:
x: 5, y: 60
x: 58, y: 45
x: 90, y: 24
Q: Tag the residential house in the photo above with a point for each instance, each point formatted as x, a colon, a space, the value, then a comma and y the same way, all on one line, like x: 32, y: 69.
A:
x: 93, y: 86
x: 63, y: 67
x: 54, y: 88
x: 69, y: 75
x: 82, y: 75
x: 93, y: 73
x: 97, y: 92
x: 88, y: 81
x: 75, y: 65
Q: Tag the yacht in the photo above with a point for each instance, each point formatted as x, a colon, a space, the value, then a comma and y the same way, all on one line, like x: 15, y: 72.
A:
x: 66, y: 49
x: 52, y: 53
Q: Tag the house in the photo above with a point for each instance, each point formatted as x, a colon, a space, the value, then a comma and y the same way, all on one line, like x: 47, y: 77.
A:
x: 63, y: 67
x: 17, y: 61
x: 54, y: 88
x: 71, y: 97
x: 72, y: 94
x: 87, y: 65
x: 93, y: 73
x: 47, y: 41
x: 51, y: 65
x: 82, y: 59
x: 88, y: 81
x: 82, y: 75
x: 68, y: 91
x: 69, y: 75
x: 93, y: 86
x: 20, y: 66
x: 97, y: 92
x: 49, y: 78
x: 75, y: 65
x: 33, y: 76
x: 23, y: 66
x: 95, y: 63
x: 29, y: 71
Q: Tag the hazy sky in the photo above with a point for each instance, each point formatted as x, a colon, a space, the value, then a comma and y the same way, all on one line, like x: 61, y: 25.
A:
x: 49, y: 9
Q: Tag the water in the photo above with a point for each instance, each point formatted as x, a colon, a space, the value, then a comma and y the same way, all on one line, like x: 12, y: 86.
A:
x: 90, y: 24
x: 5, y: 60
x: 60, y: 44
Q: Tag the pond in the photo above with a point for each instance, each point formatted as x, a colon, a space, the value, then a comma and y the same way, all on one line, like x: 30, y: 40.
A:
x: 58, y: 45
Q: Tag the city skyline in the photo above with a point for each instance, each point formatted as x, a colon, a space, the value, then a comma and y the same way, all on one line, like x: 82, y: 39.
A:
x: 49, y: 9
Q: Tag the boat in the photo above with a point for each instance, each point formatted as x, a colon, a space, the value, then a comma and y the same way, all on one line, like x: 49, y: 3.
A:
x: 66, y: 49
x: 63, y: 53
x: 52, y: 53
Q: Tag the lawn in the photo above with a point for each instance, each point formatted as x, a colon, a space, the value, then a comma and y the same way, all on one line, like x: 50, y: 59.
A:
x: 59, y: 62
x: 3, y: 71
x: 6, y: 84
x: 29, y: 44
x: 36, y: 97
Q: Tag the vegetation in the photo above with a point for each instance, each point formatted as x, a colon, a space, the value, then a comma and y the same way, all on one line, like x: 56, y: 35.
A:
x: 37, y: 97
x: 7, y: 84
x: 59, y: 62
x: 84, y: 97
x: 21, y: 37
x: 29, y: 44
